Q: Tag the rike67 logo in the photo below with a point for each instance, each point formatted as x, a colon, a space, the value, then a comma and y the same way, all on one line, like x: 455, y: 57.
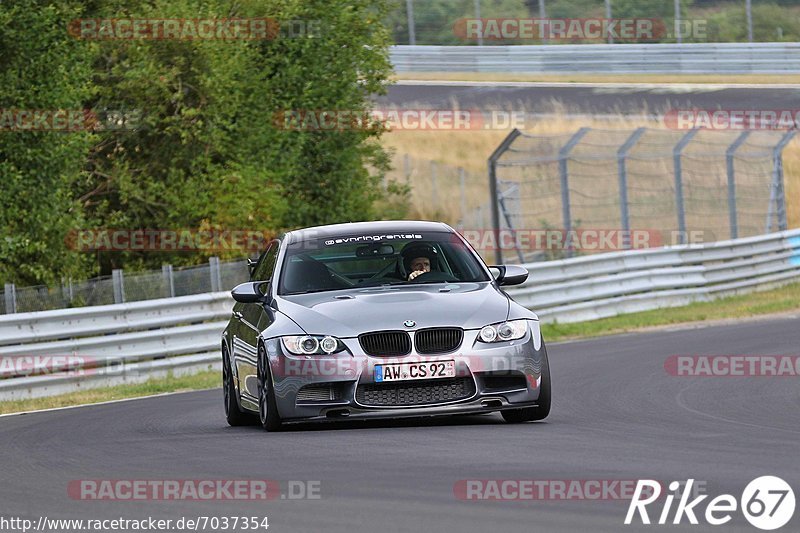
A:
x: 767, y: 503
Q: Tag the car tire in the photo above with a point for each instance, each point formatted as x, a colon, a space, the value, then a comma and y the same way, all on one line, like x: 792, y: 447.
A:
x: 540, y: 412
x: 233, y: 413
x: 267, y: 406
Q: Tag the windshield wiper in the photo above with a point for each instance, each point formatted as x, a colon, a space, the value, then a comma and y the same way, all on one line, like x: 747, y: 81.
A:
x: 311, y: 291
x: 381, y: 284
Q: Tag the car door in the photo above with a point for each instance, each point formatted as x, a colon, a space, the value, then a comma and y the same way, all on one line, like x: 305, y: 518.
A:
x: 252, y: 321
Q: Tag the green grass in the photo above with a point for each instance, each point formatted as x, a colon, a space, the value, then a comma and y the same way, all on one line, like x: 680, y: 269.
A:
x: 202, y: 380
x: 786, y: 298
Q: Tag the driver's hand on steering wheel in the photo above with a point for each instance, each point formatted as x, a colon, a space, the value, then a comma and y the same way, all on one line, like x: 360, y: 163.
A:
x: 415, y: 274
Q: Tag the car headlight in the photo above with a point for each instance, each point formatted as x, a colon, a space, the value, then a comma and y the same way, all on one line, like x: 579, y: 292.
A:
x: 504, y: 331
x: 312, y: 344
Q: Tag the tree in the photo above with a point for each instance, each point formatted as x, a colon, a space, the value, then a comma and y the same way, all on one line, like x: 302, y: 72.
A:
x: 43, y: 69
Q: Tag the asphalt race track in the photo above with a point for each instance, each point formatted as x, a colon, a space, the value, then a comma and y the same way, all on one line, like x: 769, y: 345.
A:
x: 587, y: 98
x: 617, y: 415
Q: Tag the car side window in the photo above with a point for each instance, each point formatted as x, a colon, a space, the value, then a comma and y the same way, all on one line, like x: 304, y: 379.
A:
x: 266, y: 265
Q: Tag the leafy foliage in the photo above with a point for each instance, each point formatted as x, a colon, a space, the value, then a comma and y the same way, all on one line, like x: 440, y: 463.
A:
x: 41, y: 68
x: 203, y: 149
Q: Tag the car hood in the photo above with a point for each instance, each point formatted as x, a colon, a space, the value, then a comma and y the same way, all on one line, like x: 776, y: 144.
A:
x: 349, y: 313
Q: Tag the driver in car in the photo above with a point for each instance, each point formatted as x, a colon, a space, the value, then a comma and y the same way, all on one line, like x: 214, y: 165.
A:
x: 417, y: 260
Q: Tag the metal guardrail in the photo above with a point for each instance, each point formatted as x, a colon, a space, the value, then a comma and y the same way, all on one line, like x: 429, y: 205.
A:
x: 95, y: 346
x: 50, y: 352
x: 689, y: 58
x: 603, y: 285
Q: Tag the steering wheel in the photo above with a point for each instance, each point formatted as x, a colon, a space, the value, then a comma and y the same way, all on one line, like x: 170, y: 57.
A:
x: 434, y: 276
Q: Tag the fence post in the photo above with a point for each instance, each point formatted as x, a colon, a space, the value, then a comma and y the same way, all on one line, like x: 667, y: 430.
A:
x: 169, y: 281
x: 118, y: 280
x: 412, y: 34
x: 563, y: 154
x: 64, y: 293
x: 499, y: 151
x: 214, y: 271
x: 478, y: 16
x: 462, y: 185
x: 407, y: 167
x: 10, y: 295
x: 622, y: 155
x: 777, y: 198
x: 748, y: 8
x: 513, y: 187
x: 545, y: 27
x: 731, y: 169
x: 676, y: 160
x: 435, y: 186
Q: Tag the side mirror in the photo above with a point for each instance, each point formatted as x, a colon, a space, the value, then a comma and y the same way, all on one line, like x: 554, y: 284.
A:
x: 509, y: 274
x: 251, y: 292
x: 251, y: 266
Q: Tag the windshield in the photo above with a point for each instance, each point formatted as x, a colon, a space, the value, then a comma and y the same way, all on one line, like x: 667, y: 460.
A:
x: 350, y: 261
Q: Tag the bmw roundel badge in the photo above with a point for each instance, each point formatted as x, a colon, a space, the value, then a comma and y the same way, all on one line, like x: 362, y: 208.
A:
x: 409, y: 323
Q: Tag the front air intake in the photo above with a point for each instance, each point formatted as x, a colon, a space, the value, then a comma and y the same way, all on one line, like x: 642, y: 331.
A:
x: 385, y: 343
x: 438, y: 340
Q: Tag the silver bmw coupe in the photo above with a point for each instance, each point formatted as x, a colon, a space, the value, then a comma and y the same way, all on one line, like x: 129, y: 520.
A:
x: 380, y: 320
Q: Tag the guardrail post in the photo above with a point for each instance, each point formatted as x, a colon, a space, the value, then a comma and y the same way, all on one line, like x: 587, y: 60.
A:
x: 118, y: 280
x: 777, y: 198
x: 216, y: 275
x: 169, y: 281
x: 499, y: 151
x: 563, y: 154
x: 513, y: 187
x: 676, y: 159
x: 10, y: 296
x: 729, y: 162
x: 622, y: 155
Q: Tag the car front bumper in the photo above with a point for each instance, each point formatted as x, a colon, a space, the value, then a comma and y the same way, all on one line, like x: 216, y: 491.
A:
x: 489, y: 377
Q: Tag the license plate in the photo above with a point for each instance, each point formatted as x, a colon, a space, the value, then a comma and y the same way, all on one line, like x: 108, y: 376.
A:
x: 417, y: 370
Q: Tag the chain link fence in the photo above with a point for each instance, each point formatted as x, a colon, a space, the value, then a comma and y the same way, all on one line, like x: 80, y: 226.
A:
x: 667, y: 187
x: 121, y: 287
x: 437, y: 22
x: 439, y: 191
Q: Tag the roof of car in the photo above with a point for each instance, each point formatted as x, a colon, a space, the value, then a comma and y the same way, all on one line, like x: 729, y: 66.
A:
x: 371, y: 228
